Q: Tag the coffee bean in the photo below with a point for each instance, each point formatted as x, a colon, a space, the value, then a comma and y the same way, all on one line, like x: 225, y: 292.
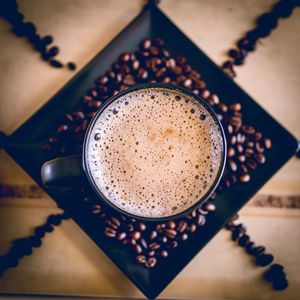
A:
x: 171, y: 224
x: 125, y: 57
x: 144, y: 243
x: 264, y: 259
x: 111, y: 224
x: 259, y: 250
x: 154, y: 246
x: 173, y: 244
x: 140, y: 259
x: 268, y: 143
x: 47, y: 40
x: 232, y: 165
x: 182, y: 226
x: 72, y: 66
x: 153, y: 50
x: 235, y: 234
x: 184, y: 236
x: 260, y: 158
x: 121, y: 236
x: 245, y: 177
x: 201, y: 220
x: 136, y: 235
x: 171, y: 233
x: 55, y: 63
x: 249, y: 247
x: 235, y: 106
x: 129, y: 227
x: 280, y: 285
x: 142, y: 227
x: 163, y: 253
x: 146, y: 44
x: 150, y: 262
x: 243, y: 240
x: 164, y: 239
x: 153, y: 234
x: 110, y: 232
x: 230, y: 152
x: 242, y: 158
x: 138, y: 249
x: 210, y: 206
x: 151, y: 253
x: 192, y: 228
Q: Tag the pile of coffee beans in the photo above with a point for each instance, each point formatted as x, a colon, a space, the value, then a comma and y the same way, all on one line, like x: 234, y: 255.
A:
x: 9, y: 11
x: 24, y: 246
x: 264, y: 26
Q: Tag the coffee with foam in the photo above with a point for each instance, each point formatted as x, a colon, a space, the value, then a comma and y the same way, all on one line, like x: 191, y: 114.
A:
x: 154, y: 152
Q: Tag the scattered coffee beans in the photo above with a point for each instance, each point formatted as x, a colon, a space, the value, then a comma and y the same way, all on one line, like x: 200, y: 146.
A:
x: 9, y: 12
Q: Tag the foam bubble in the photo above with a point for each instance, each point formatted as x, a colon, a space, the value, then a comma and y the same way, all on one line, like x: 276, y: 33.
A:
x: 157, y: 154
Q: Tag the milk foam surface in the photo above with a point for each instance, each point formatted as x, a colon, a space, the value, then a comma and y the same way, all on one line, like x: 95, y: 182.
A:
x: 154, y: 152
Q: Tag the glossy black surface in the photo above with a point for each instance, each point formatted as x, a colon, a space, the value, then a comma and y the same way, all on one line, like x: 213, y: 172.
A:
x: 25, y: 147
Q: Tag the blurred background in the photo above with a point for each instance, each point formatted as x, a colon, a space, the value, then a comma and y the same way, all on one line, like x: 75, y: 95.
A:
x: 69, y: 263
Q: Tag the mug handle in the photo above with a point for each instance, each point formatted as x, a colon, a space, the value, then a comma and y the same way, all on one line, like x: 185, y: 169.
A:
x: 63, y: 171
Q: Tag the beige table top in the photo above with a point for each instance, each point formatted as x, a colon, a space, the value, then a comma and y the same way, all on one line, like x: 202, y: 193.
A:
x: 69, y: 263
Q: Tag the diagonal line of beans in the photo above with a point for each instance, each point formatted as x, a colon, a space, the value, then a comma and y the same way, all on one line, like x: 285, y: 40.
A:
x: 246, y: 148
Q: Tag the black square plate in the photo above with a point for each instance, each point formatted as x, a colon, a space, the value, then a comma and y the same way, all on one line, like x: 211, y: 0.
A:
x: 24, y: 145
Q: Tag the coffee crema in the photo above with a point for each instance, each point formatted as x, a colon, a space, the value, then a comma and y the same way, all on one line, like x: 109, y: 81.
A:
x: 154, y: 152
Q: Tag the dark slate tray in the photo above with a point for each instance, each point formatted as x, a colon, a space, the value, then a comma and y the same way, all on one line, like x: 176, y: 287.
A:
x: 24, y: 145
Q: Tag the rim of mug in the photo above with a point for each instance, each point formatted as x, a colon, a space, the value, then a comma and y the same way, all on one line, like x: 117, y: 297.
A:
x: 197, y: 203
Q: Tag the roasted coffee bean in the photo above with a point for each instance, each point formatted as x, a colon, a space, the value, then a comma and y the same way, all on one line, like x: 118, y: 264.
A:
x: 201, y: 220
x: 249, y: 247
x: 138, y: 249
x: 110, y: 232
x: 260, y: 158
x: 142, y: 227
x: 268, y: 143
x: 243, y: 240
x: 184, y: 236
x: 171, y: 224
x: 165, y: 53
x: 154, y: 246
x: 202, y: 211
x: 232, y: 165
x: 244, y: 168
x: 151, y: 253
x: 171, y: 233
x: 173, y: 244
x: 182, y: 226
x: 235, y: 106
x: 248, y: 129
x: 164, y: 239
x: 257, y: 136
x: 160, y: 73
x: 245, y: 177
x: 153, y: 234
x: 55, y: 63
x: 154, y: 50
x: 249, y: 152
x: 125, y: 57
x: 192, y: 228
x: 280, y: 285
x: 233, y: 179
x: 251, y: 164
x: 143, y: 243
x: 140, y: 259
x: 235, y: 234
x: 210, y: 206
x: 259, y: 250
x: 71, y: 66
x: 47, y: 40
x: 135, y: 235
x: 150, y: 262
x: 130, y: 227
x: 111, y: 224
x: 230, y: 152
x: 233, y: 140
x: 264, y: 259
x: 240, y: 148
x: 62, y: 128
x: 115, y: 221
x: 259, y: 148
x: 121, y: 236
x: 242, y: 158
x: 205, y: 94
x: 163, y: 253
